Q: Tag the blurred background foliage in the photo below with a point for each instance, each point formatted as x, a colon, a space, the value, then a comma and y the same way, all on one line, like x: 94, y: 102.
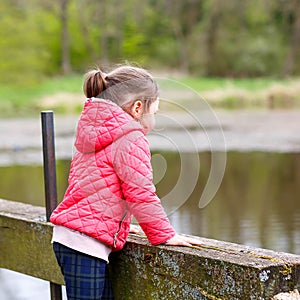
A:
x: 232, y: 38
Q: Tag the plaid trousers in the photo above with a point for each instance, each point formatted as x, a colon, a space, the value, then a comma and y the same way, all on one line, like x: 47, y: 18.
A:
x: 86, y: 277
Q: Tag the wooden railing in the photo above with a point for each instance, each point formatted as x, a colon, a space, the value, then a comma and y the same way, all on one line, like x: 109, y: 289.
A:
x: 216, y: 270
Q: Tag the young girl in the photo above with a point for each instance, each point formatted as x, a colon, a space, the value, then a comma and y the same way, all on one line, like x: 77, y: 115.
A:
x: 110, y: 181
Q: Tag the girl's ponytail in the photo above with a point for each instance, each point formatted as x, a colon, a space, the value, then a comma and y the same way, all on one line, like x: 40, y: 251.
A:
x: 123, y: 86
x: 94, y: 83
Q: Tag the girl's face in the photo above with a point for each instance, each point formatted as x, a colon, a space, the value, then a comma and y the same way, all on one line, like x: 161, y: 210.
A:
x: 147, y: 119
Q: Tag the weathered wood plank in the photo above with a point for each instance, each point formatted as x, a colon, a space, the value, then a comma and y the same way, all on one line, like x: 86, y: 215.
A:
x: 217, y: 270
x: 25, y: 241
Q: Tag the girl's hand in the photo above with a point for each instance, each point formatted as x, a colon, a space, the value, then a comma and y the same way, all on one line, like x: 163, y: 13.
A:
x: 180, y: 240
x: 134, y: 229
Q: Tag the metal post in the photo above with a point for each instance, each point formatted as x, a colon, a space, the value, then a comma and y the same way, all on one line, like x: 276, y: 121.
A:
x: 50, y: 178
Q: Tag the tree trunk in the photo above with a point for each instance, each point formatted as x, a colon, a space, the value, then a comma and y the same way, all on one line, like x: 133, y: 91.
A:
x: 65, y: 39
x: 289, y: 67
x: 174, y: 9
x: 84, y: 19
x: 211, y: 38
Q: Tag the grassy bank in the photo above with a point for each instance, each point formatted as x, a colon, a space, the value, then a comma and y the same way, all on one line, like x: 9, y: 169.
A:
x: 27, y: 100
x: 64, y: 94
x: 248, y: 93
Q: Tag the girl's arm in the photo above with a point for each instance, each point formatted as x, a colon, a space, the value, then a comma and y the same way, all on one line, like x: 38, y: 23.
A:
x: 133, y: 167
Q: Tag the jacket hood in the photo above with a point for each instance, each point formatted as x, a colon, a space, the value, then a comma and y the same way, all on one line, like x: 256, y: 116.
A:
x: 101, y: 123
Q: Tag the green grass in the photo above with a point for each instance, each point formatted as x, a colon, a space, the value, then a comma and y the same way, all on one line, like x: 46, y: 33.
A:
x: 251, y: 84
x: 21, y: 94
x: 246, y: 93
x: 22, y: 101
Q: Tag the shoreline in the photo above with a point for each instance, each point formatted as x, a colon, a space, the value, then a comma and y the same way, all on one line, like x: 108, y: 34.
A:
x: 238, y: 130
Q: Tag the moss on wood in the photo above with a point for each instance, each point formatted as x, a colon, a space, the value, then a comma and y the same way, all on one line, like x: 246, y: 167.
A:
x: 216, y: 270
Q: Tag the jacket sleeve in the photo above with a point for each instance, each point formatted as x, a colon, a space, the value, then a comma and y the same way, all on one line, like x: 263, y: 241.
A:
x: 133, y: 167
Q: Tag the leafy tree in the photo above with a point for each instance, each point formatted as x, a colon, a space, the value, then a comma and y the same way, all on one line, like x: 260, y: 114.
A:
x: 291, y: 14
x: 23, y: 51
x: 205, y: 37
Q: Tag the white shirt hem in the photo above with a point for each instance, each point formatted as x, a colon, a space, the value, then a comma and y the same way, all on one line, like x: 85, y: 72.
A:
x: 80, y: 242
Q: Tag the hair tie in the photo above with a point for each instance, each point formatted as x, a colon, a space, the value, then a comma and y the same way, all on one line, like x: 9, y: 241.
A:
x: 103, y: 75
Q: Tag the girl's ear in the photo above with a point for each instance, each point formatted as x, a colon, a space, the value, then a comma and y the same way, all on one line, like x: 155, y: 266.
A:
x: 137, y: 109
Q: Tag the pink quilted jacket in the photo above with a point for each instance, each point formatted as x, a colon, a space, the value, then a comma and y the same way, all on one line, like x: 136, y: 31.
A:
x: 111, y: 179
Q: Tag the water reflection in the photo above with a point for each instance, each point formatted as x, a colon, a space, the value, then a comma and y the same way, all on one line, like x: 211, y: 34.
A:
x: 28, y: 288
x: 257, y: 203
x: 26, y: 183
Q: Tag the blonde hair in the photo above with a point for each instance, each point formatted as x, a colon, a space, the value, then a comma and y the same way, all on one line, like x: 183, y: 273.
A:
x: 123, y: 85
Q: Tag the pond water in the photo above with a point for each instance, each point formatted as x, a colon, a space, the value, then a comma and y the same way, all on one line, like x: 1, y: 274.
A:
x: 257, y: 203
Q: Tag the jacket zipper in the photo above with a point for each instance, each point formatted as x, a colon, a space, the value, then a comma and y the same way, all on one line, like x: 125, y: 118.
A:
x: 120, y: 224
